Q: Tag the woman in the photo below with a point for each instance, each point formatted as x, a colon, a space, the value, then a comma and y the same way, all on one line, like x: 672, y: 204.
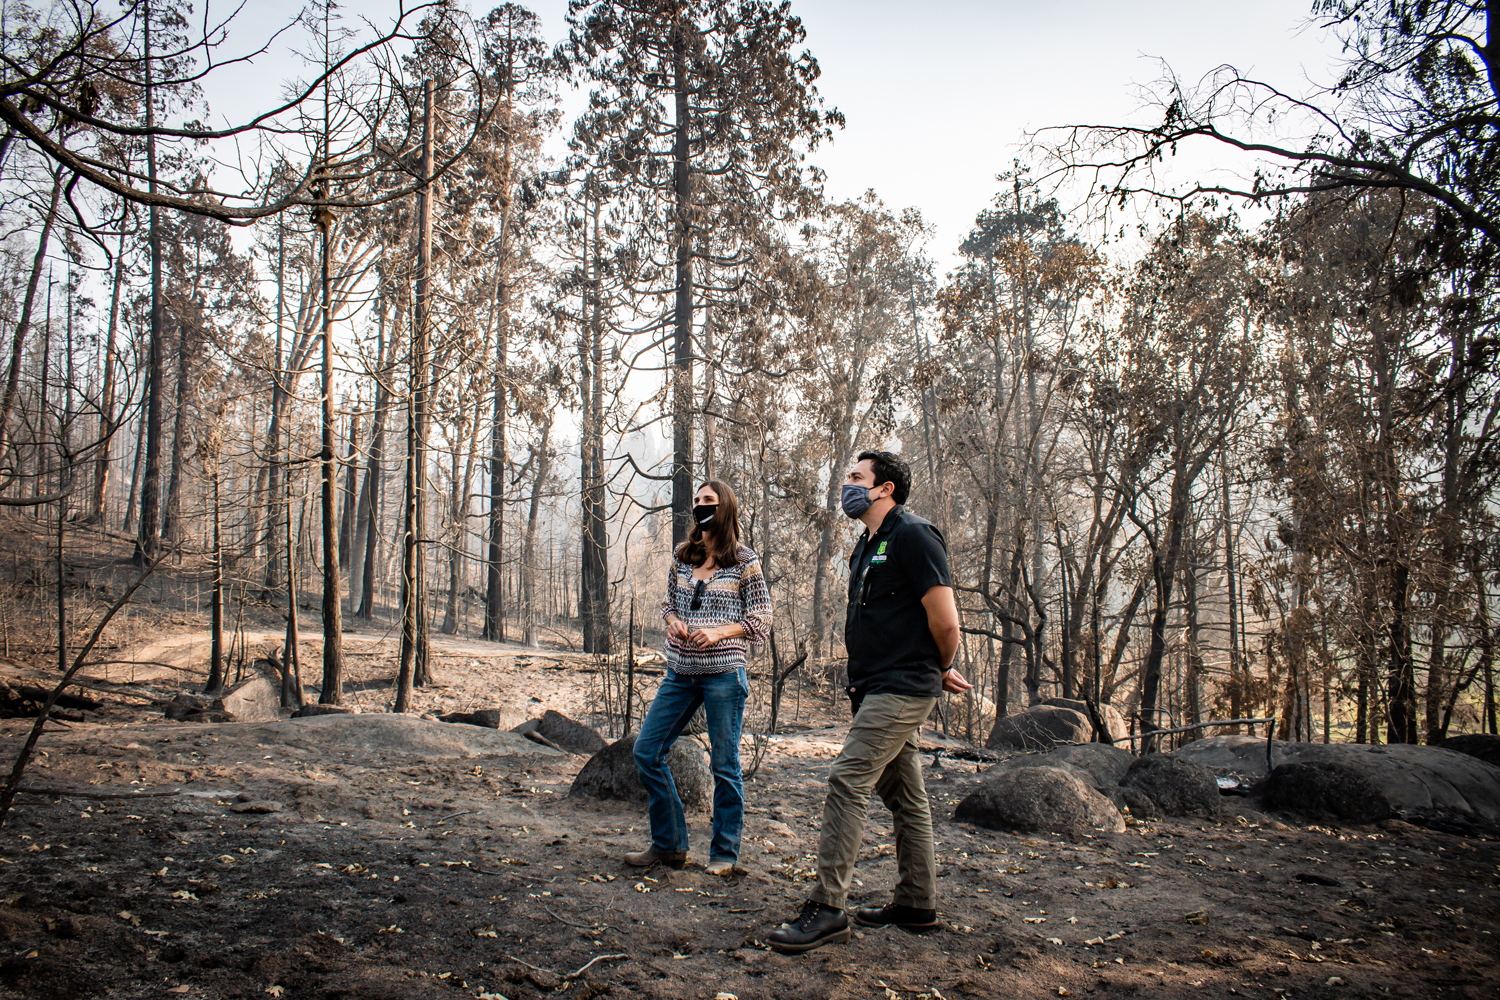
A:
x: 717, y: 604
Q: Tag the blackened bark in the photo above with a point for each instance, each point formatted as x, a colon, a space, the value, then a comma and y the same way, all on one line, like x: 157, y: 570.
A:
x: 682, y: 347
x: 333, y: 609
x: 594, y: 571
x: 413, y: 663
x: 1401, y: 684
x: 148, y: 537
x: 216, y: 642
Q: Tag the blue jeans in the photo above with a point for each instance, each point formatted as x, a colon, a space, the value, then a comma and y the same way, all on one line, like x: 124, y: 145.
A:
x: 723, y: 699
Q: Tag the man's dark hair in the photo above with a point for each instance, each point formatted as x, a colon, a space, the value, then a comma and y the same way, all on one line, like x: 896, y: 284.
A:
x: 889, y: 468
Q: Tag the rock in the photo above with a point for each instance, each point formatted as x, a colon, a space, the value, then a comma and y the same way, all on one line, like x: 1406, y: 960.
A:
x: 184, y: 707
x: 1119, y: 729
x: 254, y: 700
x: 570, y: 735
x: 257, y: 806
x: 529, y: 726
x: 1481, y: 745
x: 312, y: 709
x: 489, y: 718
x: 1039, y: 800
x: 1321, y: 789
x: 1425, y: 785
x: 1175, y: 786
x: 611, y: 774
x: 1041, y: 727
x: 1099, y: 764
x: 1106, y: 765
x: 1134, y: 801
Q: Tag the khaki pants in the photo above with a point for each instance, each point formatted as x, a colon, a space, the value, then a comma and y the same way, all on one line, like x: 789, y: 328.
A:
x: 880, y: 755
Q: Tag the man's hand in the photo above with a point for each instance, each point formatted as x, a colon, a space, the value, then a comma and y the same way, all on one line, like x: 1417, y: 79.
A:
x: 676, y: 629
x: 954, y: 681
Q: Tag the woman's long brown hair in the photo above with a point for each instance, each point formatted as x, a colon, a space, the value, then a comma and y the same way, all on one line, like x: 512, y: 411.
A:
x: 724, y: 529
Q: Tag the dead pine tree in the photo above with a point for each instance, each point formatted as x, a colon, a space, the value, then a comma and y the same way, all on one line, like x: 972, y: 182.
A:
x: 333, y: 620
x: 413, y: 661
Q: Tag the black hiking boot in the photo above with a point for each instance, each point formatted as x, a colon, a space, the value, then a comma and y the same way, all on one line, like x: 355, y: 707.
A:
x: 814, y: 927
x: 908, y: 918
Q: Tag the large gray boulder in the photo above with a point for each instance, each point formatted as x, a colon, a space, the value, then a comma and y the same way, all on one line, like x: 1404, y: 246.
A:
x: 611, y: 774
x: 1423, y: 784
x: 1041, y: 727
x: 1106, y: 765
x: 1119, y: 729
x: 1176, y: 787
x: 1321, y: 789
x: 255, y: 700
x: 1039, y: 800
x: 1099, y: 764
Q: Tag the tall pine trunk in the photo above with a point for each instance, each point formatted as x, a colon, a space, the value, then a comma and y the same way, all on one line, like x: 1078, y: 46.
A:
x: 494, y: 579
x: 494, y: 609
x: 594, y: 571
x: 682, y: 337
x: 413, y: 664
x: 148, y: 537
x: 333, y: 624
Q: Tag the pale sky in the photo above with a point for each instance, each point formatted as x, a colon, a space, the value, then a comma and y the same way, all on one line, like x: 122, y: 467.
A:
x: 938, y: 95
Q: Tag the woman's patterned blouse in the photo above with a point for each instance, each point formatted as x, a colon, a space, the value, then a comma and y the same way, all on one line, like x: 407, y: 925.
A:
x: 731, y: 594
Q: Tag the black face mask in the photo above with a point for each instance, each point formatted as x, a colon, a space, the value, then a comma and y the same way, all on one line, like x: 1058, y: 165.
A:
x: 703, y: 513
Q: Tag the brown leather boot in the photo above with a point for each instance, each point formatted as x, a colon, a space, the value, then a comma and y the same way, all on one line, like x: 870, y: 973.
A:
x: 672, y: 859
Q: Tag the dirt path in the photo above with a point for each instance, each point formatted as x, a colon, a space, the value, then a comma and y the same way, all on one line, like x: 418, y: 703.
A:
x: 411, y: 863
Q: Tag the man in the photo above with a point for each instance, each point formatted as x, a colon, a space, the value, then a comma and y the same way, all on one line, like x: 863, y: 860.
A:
x: 901, y: 632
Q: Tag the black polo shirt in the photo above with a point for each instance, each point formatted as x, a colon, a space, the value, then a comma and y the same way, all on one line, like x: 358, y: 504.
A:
x: 891, y: 649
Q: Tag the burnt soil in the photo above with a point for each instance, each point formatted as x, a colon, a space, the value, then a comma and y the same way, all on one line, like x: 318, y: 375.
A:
x: 393, y: 875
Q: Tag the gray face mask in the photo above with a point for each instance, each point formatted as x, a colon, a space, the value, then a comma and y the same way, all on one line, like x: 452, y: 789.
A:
x: 855, y: 500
